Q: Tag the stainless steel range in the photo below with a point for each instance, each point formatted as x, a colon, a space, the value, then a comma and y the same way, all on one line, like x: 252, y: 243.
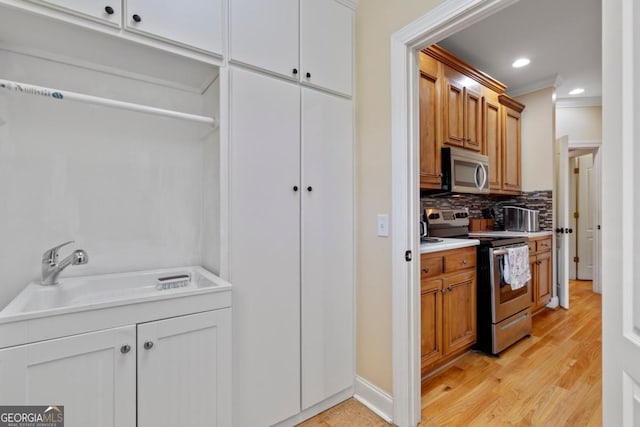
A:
x: 503, y: 312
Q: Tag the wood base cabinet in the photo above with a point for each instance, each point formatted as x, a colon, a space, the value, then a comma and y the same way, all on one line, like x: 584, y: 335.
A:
x: 540, y: 265
x: 448, y: 305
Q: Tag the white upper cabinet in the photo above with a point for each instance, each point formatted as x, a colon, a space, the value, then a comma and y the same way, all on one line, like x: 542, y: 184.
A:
x: 194, y: 24
x: 326, y: 45
x: 264, y: 34
x: 104, y: 11
x: 309, y: 40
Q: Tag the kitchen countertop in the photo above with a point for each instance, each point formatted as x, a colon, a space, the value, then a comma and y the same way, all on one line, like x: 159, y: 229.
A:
x: 511, y: 234
x: 446, y: 244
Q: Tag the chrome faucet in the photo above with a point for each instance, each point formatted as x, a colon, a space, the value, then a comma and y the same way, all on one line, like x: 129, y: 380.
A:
x: 51, y: 268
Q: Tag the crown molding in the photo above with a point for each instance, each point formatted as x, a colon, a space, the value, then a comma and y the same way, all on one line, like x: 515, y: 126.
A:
x: 352, y: 4
x: 551, y: 81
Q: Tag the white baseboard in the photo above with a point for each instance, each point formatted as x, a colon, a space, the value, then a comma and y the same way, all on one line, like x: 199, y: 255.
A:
x: 374, y: 398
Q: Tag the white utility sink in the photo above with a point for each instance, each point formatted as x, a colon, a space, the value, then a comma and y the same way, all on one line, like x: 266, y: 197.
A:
x: 91, y: 292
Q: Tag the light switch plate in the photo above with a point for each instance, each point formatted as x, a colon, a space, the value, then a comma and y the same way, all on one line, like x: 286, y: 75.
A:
x: 383, y: 225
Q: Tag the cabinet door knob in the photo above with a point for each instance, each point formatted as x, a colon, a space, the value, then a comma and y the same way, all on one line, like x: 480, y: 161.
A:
x: 125, y: 349
x: 295, y: 71
x: 443, y: 290
x: 148, y: 345
x: 109, y: 10
x: 295, y: 188
x: 309, y: 188
x: 464, y: 262
x: 137, y: 18
x: 426, y: 270
x: 449, y: 288
x: 308, y: 75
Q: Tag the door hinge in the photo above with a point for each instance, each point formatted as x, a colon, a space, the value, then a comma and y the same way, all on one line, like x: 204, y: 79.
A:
x: 576, y: 170
x: 407, y: 256
x: 576, y: 259
x: 576, y: 215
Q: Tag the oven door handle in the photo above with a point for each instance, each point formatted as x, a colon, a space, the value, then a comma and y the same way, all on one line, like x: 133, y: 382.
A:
x: 480, y: 185
x: 505, y: 250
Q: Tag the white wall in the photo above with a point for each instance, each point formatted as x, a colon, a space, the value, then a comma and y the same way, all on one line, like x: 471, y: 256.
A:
x: 538, y: 139
x: 128, y: 187
x: 579, y: 123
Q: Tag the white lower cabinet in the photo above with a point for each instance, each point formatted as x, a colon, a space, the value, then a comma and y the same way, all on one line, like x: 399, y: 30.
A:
x: 290, y: 247
x: 181, y: 367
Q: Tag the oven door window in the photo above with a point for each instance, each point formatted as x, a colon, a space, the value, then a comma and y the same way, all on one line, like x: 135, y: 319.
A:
x: 505, y: 293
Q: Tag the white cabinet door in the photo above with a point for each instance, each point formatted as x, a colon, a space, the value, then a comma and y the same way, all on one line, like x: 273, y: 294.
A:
x: 184, y: 371
x: 91, y: 375
x: 264, y: 34
x: 264, y: 247
x: 327, y: 246
x: 105, y: 11
x: 195, y: 23
x: 326, y: 45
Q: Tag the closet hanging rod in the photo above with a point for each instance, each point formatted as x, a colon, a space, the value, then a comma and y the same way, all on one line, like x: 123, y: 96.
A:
x: 24, y: 88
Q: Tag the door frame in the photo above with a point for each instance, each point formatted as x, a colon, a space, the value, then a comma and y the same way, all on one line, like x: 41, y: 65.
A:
x: 444, y: 20
x: 578, y: 148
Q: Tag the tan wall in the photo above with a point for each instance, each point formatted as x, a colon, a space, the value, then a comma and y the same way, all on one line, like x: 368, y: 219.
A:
x: 579, y: 123
x: 538, y: 140
x: 376, y: 20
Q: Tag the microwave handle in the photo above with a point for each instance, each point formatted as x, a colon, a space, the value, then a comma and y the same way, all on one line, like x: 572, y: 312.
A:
x: 479, y: 185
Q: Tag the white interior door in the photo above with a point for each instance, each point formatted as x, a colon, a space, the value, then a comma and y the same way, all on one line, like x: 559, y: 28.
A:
x: 264, y: 247
x: 585, y: 220
x: 621, y: 213
x: 327, y: 246
x: 573, y: 207
x: 562, y: 221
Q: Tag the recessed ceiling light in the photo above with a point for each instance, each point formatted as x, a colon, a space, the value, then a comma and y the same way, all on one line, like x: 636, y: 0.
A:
x: 576, y: 91
x: 520, y: 62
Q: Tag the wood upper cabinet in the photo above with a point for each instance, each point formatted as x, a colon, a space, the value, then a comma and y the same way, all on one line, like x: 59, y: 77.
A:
x: 430, y: 122
x: 511, y: 145
x: 448, y: 305
x: 463, y: 111
x: 493, y: 138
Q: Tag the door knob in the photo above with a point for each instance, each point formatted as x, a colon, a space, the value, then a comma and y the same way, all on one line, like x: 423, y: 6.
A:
x: 109, y: 10
x: 148, y: 345
x: 309, y: 188
x: 308, y: 75
x: 295, y: 188
x: 125, y: 349
x: 137, y: 18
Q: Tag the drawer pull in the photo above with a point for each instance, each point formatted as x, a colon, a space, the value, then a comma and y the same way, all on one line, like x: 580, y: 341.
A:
x: 426, y: 270
x: 464, y: 262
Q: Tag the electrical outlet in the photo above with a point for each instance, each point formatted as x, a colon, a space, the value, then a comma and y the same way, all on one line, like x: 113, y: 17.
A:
x: 383, y: 225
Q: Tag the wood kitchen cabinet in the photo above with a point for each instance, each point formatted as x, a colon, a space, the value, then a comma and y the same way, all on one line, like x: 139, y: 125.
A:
x: 448, y: 305
x: 430, y: 122
x: 463, y: 107
x: 540, y: 265
x: 511, y: 147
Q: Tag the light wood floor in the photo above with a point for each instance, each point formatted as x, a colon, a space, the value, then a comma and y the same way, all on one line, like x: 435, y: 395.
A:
x: 551, y: 379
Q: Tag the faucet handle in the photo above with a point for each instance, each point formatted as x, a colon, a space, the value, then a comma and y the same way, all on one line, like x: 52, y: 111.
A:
x: 51, y: 254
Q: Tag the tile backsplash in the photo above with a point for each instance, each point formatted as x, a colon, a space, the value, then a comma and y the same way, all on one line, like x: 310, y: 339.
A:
x: 538, y: 200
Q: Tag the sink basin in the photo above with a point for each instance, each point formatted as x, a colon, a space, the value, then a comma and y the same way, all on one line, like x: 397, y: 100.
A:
x: 80, y: 293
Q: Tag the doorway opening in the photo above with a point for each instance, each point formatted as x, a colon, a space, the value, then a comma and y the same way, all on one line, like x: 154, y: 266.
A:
x: 445, y: 20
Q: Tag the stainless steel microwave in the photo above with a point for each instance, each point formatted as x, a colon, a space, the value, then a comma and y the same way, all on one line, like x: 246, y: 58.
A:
x: 464, y: 171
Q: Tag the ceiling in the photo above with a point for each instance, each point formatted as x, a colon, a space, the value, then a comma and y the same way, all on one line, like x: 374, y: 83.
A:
x: 561, y: 37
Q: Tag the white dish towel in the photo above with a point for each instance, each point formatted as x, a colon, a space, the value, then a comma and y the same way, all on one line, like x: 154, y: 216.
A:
x: 517, y: 272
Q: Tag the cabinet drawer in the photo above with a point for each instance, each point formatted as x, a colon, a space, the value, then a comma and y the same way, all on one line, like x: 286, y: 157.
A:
x: 543, y: 245
x: 430, y: 267
x: 459, y: 260
x: 532, y: 246
x: 431, y: 285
